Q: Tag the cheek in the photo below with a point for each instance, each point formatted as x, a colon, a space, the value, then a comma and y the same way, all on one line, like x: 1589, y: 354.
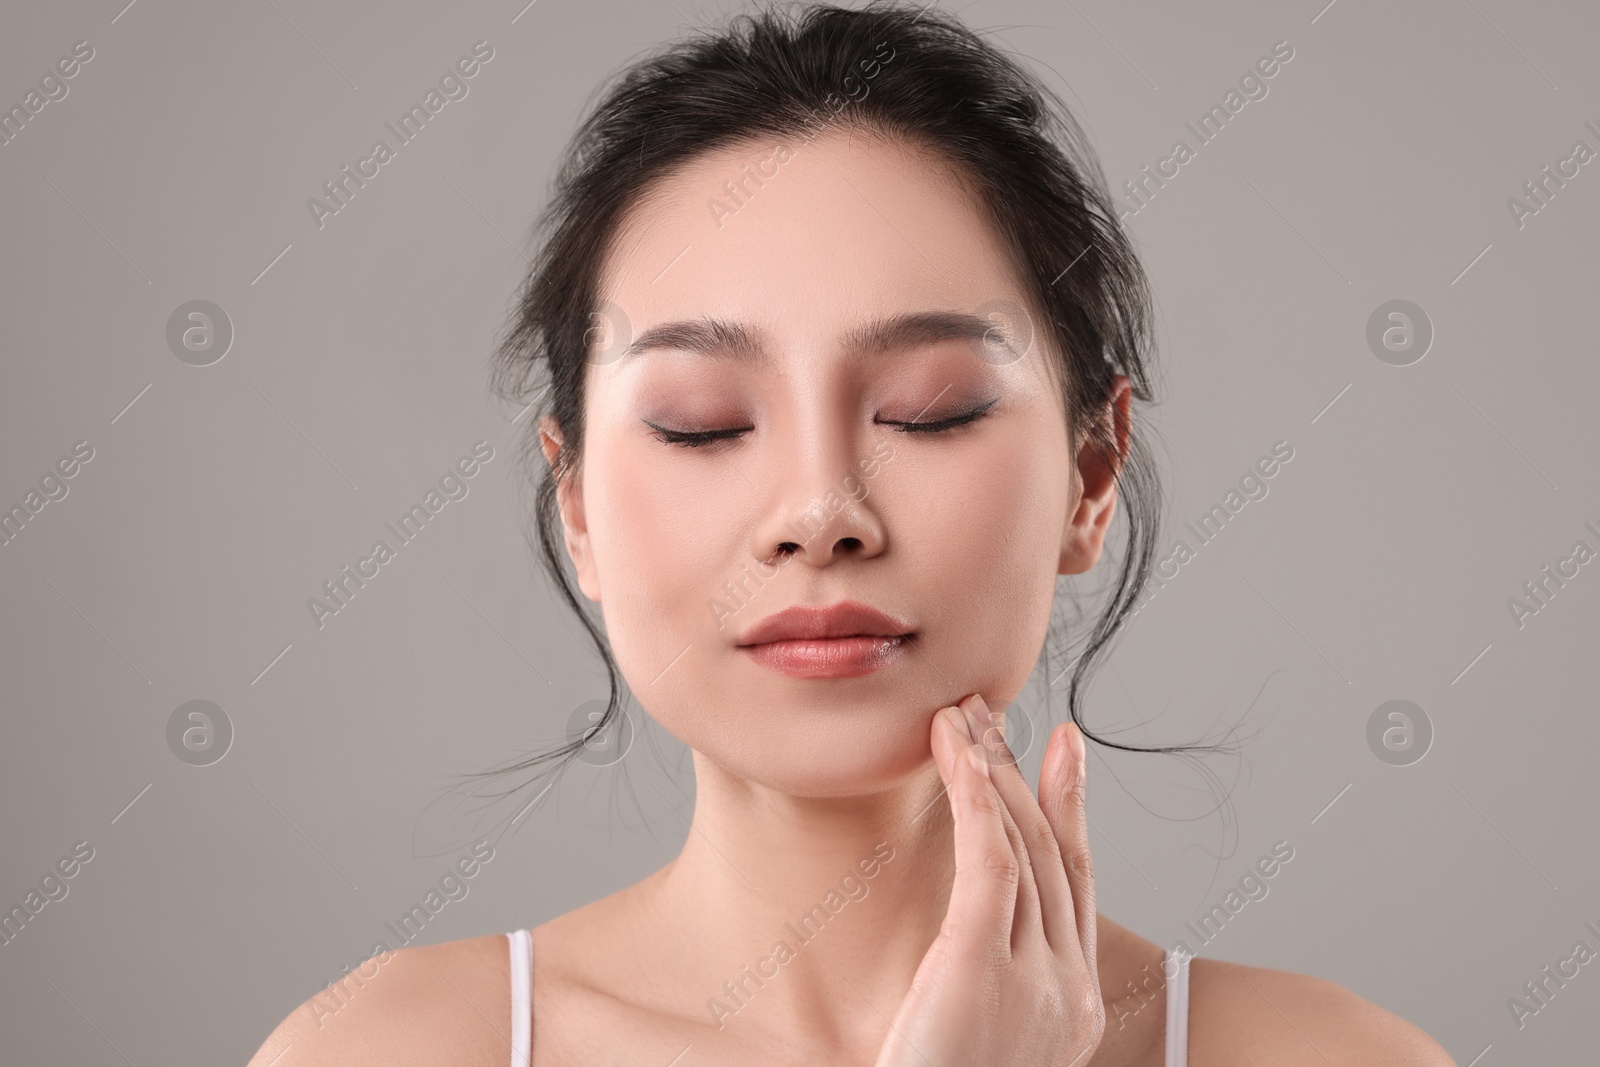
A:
x: 987, y: 544
x: 662, y: 534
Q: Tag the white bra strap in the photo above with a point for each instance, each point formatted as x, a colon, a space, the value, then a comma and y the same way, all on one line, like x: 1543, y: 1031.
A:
x: 521, y: 944
x: 1177, y: 1007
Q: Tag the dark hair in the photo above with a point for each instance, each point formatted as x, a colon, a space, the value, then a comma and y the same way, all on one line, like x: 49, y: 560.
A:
x: 782, y: 73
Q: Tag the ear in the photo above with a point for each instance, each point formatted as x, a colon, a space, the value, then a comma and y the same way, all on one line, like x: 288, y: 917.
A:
x: 1090, y: 515
x: 569, y: 500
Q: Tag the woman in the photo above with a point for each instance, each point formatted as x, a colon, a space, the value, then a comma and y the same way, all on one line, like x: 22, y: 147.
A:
x: 837, y: 339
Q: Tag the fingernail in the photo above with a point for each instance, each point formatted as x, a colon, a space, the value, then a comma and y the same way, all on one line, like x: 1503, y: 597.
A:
x: 1080, y: 752
x: 976, y: 756
x: 975, y: 724
x: 959, y: 721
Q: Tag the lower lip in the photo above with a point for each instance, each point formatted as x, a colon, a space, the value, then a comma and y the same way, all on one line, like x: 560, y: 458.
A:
x: 831, y: 657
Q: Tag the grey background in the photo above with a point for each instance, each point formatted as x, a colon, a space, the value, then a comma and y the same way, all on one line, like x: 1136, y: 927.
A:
x: 1379, y: 566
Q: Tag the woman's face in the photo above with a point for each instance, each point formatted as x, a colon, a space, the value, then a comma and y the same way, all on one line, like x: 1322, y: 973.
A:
x: 817, y: 495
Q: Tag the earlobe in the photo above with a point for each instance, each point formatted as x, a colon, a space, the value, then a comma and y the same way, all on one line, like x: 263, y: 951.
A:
x: 569, y: 503
x: 1097, y: 468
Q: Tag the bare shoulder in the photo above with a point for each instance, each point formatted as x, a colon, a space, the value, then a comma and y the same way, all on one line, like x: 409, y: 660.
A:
x: 447, y: 1003
x: 1242, y: 1016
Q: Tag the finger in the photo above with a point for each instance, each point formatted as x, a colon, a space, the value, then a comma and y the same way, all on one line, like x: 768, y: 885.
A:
x: 1044, y: 851
x: 1062, y: 786
x: 983, y: 898
x: 948, y: 740
x: 1027, y: 828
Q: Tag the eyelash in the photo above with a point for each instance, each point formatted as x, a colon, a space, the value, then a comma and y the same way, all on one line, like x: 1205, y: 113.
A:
x: 701, y: 438
x: 940, y: 425
x: 695, y: 438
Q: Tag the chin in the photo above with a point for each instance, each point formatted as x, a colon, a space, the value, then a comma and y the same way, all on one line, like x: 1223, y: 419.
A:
x: 834, y: 737
x: 841, y: 745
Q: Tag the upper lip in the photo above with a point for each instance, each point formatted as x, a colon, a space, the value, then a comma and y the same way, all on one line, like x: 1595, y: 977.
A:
x: 848, y: 618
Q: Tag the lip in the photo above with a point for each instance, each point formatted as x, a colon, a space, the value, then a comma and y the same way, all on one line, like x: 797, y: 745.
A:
x: 843, y: 640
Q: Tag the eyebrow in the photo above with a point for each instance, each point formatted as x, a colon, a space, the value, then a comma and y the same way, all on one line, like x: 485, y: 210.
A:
x: 723, y: 340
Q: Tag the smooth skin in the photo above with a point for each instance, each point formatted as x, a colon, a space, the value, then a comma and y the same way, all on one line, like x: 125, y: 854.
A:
x: 1012, y: 977
x: 980, y: 940
x: 1020, y: 932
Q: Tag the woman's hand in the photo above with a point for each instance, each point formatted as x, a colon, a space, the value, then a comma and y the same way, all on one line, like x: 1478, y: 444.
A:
x: 1011, y: 979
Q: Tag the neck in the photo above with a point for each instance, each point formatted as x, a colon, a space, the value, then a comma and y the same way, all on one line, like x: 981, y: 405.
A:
x: 785, y: 894
x: 782, y: 896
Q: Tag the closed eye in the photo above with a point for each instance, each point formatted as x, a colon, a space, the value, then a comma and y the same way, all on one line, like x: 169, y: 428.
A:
x: 938, y: 425
x: 695, y: 438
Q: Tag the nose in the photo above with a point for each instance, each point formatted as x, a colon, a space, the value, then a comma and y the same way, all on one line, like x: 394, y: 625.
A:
x: 819, y: 514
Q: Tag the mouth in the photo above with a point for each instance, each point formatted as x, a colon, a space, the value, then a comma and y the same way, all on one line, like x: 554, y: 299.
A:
x: 843, y: 640
x: 830, y: 657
